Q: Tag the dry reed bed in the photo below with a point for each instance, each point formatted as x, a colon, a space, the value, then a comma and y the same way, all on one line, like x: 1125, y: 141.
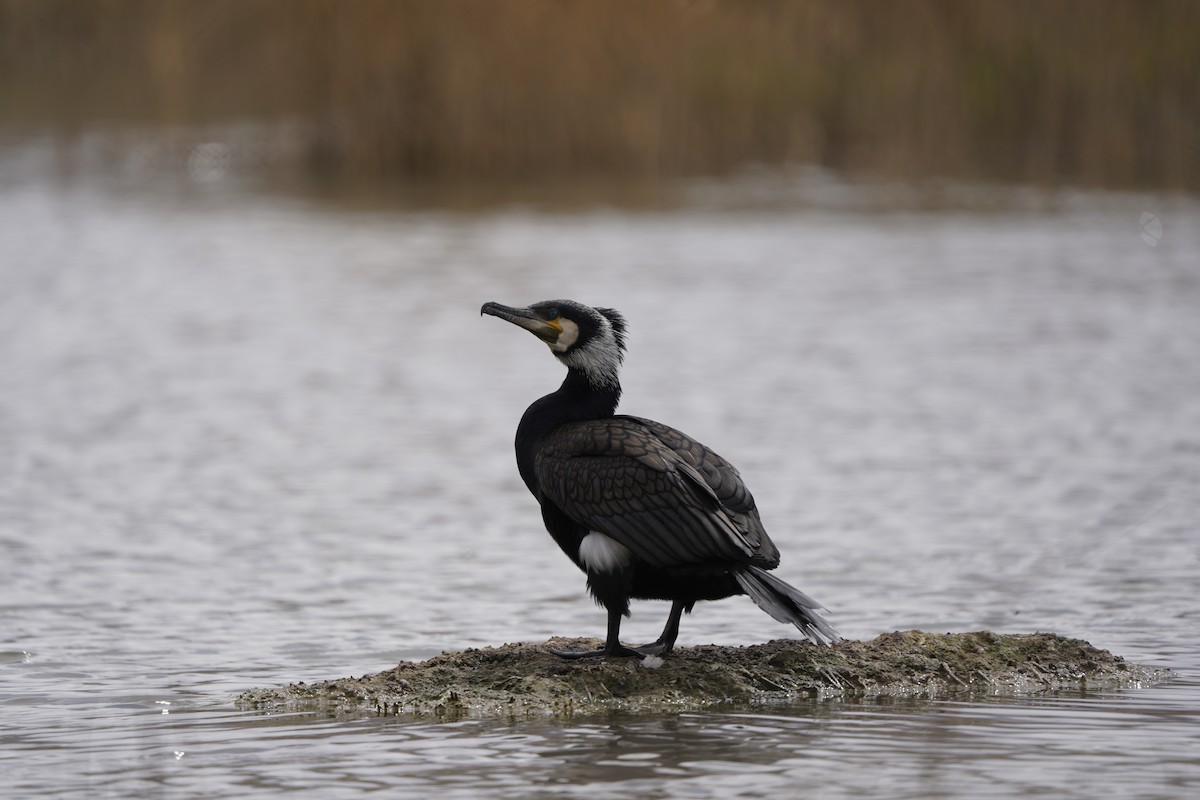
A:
x: 1097, y: 93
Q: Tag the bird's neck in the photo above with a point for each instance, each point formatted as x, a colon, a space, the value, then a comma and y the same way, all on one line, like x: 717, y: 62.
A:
x: 577, y: 400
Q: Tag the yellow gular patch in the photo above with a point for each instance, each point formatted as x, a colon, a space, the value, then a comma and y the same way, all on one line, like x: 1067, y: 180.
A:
x: 568, y: 332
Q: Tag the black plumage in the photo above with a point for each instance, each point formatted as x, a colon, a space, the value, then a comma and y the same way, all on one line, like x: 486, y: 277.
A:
x: 645, y: 510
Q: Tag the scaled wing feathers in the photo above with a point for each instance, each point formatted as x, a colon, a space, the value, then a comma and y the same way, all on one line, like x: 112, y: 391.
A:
x: 665, y: 496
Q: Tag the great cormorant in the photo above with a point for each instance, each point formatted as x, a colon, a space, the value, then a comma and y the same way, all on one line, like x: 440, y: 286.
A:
x: 645, y: 510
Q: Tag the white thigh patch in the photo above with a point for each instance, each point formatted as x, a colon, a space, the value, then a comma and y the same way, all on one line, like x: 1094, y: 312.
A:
x: 600, y: 553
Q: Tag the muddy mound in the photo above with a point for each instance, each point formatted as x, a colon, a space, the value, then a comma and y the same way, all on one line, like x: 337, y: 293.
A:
x: 522, y: 679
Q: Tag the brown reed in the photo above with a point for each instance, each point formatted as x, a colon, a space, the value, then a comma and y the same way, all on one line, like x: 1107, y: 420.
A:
x: 1103, y: 93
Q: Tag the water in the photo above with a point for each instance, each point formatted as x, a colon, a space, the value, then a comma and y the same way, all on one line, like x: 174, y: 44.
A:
x: 246, y: 441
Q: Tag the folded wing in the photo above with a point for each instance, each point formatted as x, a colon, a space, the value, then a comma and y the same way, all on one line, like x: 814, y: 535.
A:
x: 662, y: 494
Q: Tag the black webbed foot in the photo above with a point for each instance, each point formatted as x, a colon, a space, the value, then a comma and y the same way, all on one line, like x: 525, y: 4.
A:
x: 612, y: 643
x: 659, y: 648
x: 620, y: 651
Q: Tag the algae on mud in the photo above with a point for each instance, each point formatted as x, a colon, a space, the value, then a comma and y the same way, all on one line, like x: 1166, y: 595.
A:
x: 526, y: 679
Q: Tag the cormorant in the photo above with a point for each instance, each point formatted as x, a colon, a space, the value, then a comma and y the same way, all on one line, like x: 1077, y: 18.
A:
x: 645, y: 510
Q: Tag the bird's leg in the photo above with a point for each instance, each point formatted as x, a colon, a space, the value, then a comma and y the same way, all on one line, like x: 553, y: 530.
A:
x: 666, y: 642
x: 612, y: 646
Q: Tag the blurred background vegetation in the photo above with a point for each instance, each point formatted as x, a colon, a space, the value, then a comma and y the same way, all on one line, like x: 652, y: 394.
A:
x: 1103, y: 93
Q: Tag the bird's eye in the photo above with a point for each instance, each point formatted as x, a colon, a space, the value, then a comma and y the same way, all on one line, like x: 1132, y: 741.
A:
x: 552, y: 314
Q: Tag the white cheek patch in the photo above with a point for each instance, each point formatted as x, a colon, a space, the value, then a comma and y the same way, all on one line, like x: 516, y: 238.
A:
x: 600, y: 553
x: 568, y: 336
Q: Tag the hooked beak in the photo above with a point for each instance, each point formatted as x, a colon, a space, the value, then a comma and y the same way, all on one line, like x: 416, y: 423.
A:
x: 530, y: 320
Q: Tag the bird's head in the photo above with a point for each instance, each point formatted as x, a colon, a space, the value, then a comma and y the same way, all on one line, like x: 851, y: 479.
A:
x: 589, y: 340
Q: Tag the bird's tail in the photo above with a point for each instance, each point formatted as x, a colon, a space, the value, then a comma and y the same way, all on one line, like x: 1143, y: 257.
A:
x: 786, y: 603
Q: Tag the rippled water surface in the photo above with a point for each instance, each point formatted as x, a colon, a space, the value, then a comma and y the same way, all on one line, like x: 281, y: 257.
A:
x: 245, y: 441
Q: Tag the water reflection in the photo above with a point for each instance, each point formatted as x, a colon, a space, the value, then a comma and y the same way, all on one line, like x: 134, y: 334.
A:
x: 905, y: 747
